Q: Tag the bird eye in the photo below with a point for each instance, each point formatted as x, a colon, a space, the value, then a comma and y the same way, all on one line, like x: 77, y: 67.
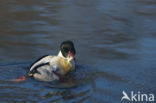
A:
x: 66, y: 49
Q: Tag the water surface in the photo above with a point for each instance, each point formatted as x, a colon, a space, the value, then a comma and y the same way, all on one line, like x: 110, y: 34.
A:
x: 115, y: 42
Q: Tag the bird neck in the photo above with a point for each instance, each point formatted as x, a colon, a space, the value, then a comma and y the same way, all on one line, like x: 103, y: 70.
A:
x: 60, y: 54
x: 68, y: 58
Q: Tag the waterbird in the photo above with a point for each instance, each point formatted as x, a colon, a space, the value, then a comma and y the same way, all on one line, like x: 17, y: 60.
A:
x: 51, y: 67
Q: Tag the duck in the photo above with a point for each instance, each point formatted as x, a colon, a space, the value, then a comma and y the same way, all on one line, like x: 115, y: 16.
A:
x: 54, y: 67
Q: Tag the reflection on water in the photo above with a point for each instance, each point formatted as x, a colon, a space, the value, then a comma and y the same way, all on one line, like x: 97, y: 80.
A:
x: 115, y: 43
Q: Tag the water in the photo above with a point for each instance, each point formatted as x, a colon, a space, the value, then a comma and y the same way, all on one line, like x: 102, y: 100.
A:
x: 114, y: 39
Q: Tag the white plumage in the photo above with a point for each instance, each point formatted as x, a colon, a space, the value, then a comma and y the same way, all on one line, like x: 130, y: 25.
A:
x: 51, y: 68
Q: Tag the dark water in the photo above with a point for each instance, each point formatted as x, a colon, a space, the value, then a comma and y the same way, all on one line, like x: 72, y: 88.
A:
x: 115, y: 42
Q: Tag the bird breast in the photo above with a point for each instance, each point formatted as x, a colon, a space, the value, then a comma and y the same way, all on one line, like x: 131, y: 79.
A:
x: 62, y: 65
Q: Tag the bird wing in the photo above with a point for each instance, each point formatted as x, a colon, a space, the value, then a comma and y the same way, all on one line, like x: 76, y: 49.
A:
x: 41, y: 61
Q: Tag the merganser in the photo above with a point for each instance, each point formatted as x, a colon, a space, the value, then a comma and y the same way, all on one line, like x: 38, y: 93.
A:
x: 50, y: 68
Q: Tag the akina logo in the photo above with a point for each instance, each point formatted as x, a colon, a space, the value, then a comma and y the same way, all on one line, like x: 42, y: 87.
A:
x: 137, y: 96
